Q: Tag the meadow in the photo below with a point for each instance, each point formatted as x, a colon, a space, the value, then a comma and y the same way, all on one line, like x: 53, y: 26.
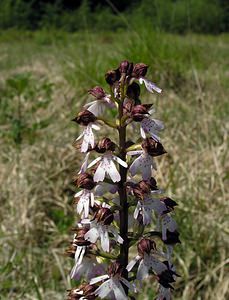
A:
x: 44, y: 80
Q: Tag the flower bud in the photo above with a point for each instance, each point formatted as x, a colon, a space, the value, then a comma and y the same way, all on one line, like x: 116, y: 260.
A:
x: 126, y: 67
x: 153, y: 147
x: 104, y: 215
x: 112, y: 76
x: 133, y: 91
x: 139, y: 70
x: 105, y: 145
x: 97, y: 92
x: 115, y: 269
x: 85, y: 117
x: 139, y: 112
x: 145, y: 246
x: 85, y: 181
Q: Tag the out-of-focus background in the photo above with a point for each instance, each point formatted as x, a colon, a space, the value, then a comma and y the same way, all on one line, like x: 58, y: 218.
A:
x: 51, y: 53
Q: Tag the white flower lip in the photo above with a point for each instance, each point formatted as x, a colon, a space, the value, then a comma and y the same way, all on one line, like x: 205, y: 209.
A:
x: 86, y: 199
x: 150, y: 86
x: 107, y: 166
x: 112, y: 285
x: 99, y: 231
x: 143, y: 164
x: 88, y: 137
x: 97, y: 107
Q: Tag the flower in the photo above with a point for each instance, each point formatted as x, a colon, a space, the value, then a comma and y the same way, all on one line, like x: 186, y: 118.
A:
x: 102, y: 101
x: 145, y: 207
x: 85, y: 264
x: 150, y: 86
x: 146, y: 248
x: 87, y: 268
x: 167, y: 224
x: 87, y: 119
x: 152, y: 147
x: 113, y: 283
x: 107, y: 166
x: 88, y: 137
x: 143, y: 163
x: 86, y: 199
x: 100, y: 227
x: 79, y: 245
x: 147, y: 260
x: 151, y: 127
x: 86, y: 196
x: 148, y: 126
x: 139, y: 72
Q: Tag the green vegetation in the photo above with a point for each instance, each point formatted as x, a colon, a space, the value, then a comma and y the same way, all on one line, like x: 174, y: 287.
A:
x: 178, y: 16
x: 44, y: 79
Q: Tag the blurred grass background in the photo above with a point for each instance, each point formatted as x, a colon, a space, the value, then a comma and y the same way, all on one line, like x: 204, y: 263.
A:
x: 49, y: 58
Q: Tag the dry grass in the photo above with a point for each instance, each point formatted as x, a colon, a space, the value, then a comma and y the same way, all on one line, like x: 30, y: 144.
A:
x: 36, y: 174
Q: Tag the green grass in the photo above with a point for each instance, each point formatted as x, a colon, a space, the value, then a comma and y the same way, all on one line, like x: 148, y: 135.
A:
x: 43, y: 83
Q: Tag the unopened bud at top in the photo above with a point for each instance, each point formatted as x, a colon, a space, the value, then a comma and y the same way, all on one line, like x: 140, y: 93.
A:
x: 104, y: 215
x: 153, y: 147
x: 105, y: 145
x: 115, y: 269
x: 97, y: 92
x: 139, y: 70
x: 112, y: 76
x: 85, y: 181
x: 85, y: 117
x: 126, y: 67
x: 145, y: 246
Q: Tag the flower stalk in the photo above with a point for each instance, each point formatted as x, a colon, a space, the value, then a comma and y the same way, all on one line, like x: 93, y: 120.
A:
x: 123, y: 213
x: 118, y: 202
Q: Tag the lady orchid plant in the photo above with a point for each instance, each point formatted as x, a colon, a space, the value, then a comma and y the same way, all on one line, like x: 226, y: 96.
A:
x: 119, y: 206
